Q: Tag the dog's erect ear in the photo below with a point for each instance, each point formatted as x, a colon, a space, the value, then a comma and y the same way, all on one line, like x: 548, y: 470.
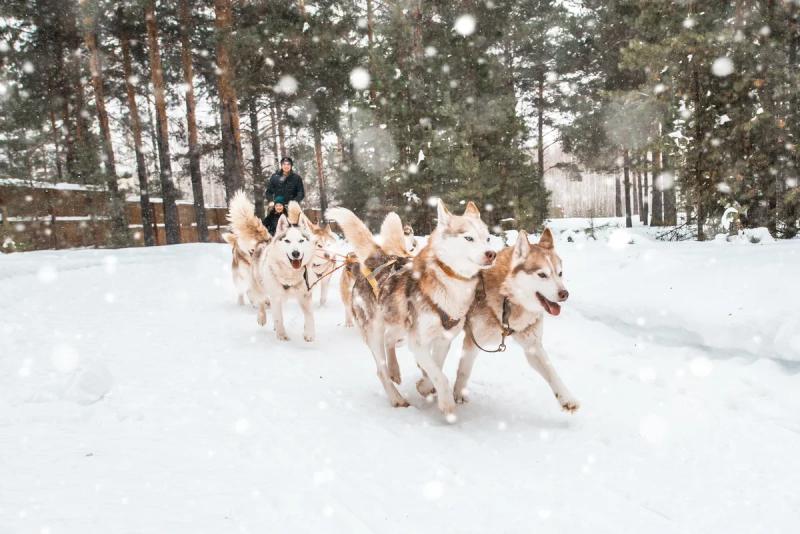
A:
x: 305, y: 225
x: 546, y: 241
x: 283, y: 226
x: 328, y: 231
x: 442, y: 213
x: 472, y: 210
x: 522, y: 246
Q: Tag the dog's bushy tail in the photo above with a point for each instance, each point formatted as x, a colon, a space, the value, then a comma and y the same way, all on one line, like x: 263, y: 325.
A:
x: 294, y: 213
x: 355, y: 231
x: 392, y: 237
x: 243, y: 220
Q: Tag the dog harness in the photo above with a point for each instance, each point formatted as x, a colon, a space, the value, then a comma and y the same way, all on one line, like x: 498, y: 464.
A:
x: 371, y: 275
x: 289, y: 286
x: 505, y: 327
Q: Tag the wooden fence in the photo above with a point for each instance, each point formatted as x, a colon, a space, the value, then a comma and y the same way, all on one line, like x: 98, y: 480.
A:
x: 37, y: 216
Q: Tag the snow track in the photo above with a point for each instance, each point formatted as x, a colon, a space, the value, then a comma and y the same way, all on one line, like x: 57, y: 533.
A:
x: 211, y: 425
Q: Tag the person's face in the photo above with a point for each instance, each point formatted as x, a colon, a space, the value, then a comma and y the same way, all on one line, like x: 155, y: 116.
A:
x: 286, y: 167
x: 279, y: 208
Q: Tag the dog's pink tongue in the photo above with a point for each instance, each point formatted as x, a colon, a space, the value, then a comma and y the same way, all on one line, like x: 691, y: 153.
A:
x: 553, y: 308
x: 296, y: 264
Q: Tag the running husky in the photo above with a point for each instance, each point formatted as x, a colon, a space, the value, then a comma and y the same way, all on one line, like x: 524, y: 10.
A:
x: 347, y: 279
x: 243, y: 242
x: 324, y: 261
x: 280, y: 267
x: 423, y: 299
x: 524, y: 284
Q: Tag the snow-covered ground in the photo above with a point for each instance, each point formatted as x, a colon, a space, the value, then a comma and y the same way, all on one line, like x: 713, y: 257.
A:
x: 135, y: 396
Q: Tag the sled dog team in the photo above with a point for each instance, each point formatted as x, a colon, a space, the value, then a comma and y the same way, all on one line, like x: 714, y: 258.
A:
x: 454, y: 283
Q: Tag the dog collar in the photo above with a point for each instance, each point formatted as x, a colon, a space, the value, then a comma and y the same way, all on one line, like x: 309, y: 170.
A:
x: 451, y: 273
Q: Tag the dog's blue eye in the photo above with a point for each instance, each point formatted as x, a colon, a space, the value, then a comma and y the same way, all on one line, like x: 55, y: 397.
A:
x: 468, y: 238
x: 487, y: 239
x: 302, y: 240
x: 559, y: 274
x: 286, y: 241
x: 542, y: 275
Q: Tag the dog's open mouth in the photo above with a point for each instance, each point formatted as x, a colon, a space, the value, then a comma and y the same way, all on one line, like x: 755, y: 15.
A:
x: 296, y: 263
x: 550, y: 307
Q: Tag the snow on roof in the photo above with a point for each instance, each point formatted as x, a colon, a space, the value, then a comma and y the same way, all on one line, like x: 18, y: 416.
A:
x: 64, y: 186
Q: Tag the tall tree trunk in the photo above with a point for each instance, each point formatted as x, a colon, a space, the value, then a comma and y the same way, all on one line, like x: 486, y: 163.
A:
x: 136, y: 126
x: 697, y: 170
x: 617, y: 197
x: 281, y: 132
x: 540, y: 126
x: 657, y: 216
x: 119, y: 223
x: 259, y: 186
x: 274, y: 124
x: 168, y: 193
x: 191, y: 122
x: 626, y: 173
x: 82, y: 165
x: 670, y: 203
x: 323, y: 198
x: 233, y: 175
x: 54, y: 129
x: 645, y: 195
x: 370, y: 43
x: 639, y: 195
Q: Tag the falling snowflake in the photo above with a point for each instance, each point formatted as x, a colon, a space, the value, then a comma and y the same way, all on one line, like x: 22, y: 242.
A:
x: 664, y: 181
x: 465, y: 25
x: 47, y: 274
x: 286, y: 85
x: 722, y: 66
x: 359, y: 78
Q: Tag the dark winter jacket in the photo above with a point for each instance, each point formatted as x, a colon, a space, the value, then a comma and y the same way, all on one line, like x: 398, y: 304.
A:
x: 271, y: 220
x: 289, y: 187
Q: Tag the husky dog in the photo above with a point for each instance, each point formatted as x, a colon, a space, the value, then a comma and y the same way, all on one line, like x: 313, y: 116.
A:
x: 280, y: 269
x: 324, y: 261
x: 422, y: 299
x: 243, y: 242
x: 352, y: 267
x: 524, y: 284
x: 347, y: 279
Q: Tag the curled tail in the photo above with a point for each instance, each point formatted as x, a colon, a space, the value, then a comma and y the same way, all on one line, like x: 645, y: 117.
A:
x: 243, y: 220
x: 392, y: 236
x: 355, y: 231
x: 294, y: 213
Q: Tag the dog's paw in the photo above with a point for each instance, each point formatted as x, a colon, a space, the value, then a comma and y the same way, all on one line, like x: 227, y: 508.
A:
x: 461, y: 396
x: 282, y: 336
x: 425, y: 387
x: 399, y: 402
x: 262, y: 320
x: 448, y: 409
x: 308, y: 337
x: 568, y: 402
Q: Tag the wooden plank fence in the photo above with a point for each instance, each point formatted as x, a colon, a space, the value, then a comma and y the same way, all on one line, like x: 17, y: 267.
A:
x: 35, y: 217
